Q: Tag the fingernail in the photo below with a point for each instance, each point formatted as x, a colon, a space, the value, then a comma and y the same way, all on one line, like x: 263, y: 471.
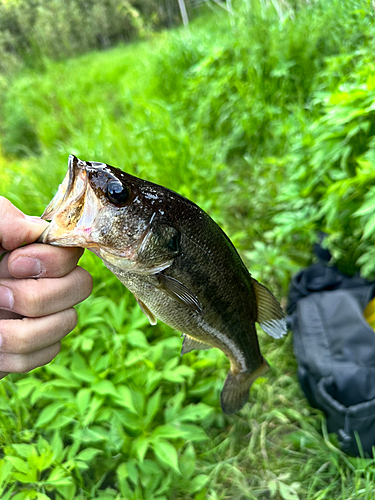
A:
x: 6, y: 298
x: 26, y: 267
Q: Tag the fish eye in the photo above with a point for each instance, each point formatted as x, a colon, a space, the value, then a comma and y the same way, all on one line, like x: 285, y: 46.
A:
x: 116, y: 193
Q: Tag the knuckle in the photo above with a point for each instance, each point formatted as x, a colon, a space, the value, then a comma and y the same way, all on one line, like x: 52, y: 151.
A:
x: 84, y: 282
x: 27, y: 362
x: 22, y: 364
x: 70, y: 320
x: 24, y: 345
x: 33, y: 300
x: 53, y: 351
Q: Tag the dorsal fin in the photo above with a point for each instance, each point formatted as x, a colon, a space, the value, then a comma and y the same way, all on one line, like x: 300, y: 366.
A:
x: 270, y: 316
x: 189, y: 344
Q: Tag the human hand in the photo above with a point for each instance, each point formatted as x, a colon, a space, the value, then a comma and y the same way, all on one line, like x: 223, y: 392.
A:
x: 39, y: 285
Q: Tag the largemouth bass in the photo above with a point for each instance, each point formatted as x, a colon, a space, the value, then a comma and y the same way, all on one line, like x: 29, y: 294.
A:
x: 179, y: 264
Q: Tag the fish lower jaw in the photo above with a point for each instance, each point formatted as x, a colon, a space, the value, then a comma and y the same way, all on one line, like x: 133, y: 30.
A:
x: 55, y: 235
x: 69, y: 242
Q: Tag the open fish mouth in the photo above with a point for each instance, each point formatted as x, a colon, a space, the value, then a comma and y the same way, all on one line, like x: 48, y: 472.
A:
x: 73, y: 209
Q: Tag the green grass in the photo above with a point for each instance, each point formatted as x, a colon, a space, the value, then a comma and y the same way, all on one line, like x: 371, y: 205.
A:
x: 271, y: 134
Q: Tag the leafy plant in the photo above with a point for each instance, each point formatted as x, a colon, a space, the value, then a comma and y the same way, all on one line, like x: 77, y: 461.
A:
x: 266, y: 120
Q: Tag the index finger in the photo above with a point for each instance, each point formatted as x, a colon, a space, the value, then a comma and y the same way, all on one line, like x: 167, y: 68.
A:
x: 16, y: 229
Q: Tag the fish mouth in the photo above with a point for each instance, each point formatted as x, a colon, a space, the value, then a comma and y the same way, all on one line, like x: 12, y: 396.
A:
x: 72, y: 210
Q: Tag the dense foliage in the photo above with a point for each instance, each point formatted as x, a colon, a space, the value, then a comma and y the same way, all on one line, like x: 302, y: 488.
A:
x: 30, y: 31
x: 266, y: 119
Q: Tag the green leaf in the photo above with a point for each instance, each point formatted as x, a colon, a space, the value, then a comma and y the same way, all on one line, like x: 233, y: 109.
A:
x: 122, y: 471
x: 60, y: 371
x: 135, y: 356
x: 198, y: 482
x: 26, y: 385
x: 187, y: 462
x: 165, y: 484
x: 105, y: 388
x: 67, y: 491
x: 140, y: 447
x: 87, y: 344
x: 87, y: 435
x: 371, y: 82
x: 167, y: 454
x: 31, y: 477
x: 139, y: 401
x: 86, y: 376
x: 25, y: 495
x: 88, y: 454
x: 82, y: 399
x: 194, y: 412
x: 42, y: 496
x: 42, y: 461
x: 60, y: 422
x: 192, y: 432
x: 150, y: 467
x: 5, y: 472
x: 102, y: 363
x: 124, y: 398
x: 167, y: 432
x: 48, y: 413
x: 19, y: 464
x: 122, y: 475
x: 132, y: 471
x: 63, y: 383
x: 137, y: 338
x: 96, y: 404
x: 369, y: 227
x: 59, y: 477
x: 367, y: 207
x: 153, y: 406
x: 24, y: 450
x: 129, y: 420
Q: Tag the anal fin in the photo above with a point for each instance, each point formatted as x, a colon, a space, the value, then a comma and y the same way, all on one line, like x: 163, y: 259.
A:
x: 270, y: 315
x: 189, y: 344
x: 146, y: 311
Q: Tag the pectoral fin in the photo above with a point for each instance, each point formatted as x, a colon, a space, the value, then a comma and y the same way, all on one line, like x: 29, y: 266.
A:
x: 270, y: 316
x: 146, y: 311
x: 180, y: 292
x: 189, y: 344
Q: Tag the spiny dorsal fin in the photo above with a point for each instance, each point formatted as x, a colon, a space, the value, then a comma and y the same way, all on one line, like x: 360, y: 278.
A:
x: 270, y: 316
x: 180, y: 292
x: 189, y: 344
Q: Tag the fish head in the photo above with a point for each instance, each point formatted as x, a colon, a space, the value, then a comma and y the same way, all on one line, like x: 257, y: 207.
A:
x: 113, y: 214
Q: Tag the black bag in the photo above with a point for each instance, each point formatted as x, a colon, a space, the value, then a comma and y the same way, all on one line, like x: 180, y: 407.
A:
x: 335, y: 349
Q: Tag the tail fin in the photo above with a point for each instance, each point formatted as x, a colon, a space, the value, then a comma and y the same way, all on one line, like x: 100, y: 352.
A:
x: 235, y: 392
